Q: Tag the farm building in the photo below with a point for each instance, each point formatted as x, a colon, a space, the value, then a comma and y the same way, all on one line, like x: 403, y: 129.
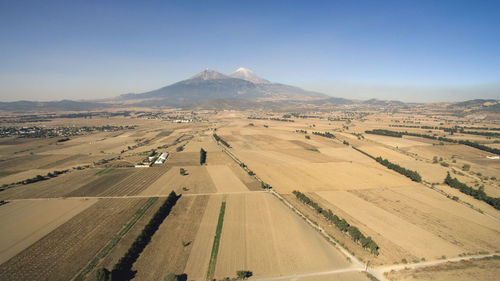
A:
x: 162, y: 158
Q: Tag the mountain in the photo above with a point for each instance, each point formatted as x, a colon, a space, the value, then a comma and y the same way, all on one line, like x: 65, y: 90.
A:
x: 211, y: 85
x: 247, y: 74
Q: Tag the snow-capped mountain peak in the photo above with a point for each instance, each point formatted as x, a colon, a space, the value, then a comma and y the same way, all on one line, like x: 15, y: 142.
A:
x: 247, y: 74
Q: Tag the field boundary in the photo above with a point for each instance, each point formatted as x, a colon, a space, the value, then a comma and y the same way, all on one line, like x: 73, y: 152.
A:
x: 215, y: 246
x: 114, y: 241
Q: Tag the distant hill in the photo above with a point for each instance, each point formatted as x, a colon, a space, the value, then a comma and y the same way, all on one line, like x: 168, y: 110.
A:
x: 68, y: 105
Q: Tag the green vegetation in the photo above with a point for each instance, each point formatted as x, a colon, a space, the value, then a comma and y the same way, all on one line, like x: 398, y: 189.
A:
x: 265, y: 185
x: 301, y: 131
x: 466, y: 167
x: 34, y: 179
x: 476, y: 193
x: 341, y: 224
x: 183, y: 172
x: 325, y: 134
x: 104, y: 171
x: 122, y: 269
x: 164, y: 134
x: 180, y: 148
x: 243, y: 274
x: 102, y: 274
x: 313, y: 149
x: 308, y: 137
x: 203, y: 156
x: 215, y: 246
x: 382, y: 132
x: 219, y: 139
x: 413, y: 175
x: 371, y: 277
x: 345, y: 142
x: 113, y: 242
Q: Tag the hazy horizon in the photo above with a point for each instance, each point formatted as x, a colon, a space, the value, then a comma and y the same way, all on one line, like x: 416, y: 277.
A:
x: 410, y: 51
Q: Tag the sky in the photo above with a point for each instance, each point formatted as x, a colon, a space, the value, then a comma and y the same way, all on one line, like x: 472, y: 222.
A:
x: 416, y: 51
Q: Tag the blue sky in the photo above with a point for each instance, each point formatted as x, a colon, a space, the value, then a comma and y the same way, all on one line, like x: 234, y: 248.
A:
x: 406, y: 50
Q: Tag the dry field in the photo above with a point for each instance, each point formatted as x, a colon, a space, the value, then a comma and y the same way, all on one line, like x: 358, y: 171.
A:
x: 260, y: 234
x: 170, y: 248
x: 482, y: 269
x: 64, y: 251
x: 417, y: 220
x: 197, y: 181
x: 24, y: 222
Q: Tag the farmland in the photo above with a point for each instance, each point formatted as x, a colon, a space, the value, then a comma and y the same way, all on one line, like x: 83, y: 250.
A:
x: 56, y: 227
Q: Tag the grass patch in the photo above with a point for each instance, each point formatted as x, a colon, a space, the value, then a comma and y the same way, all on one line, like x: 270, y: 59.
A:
x: 164, y: 134
x: 215, y: 247
x: 313, y: 149
x: 104, y: 171
x: 114, y: 241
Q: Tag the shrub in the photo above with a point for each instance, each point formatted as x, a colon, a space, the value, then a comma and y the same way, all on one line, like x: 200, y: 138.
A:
x: 243, y: 274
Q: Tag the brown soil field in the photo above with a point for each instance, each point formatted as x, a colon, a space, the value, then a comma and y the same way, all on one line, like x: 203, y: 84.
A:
x: 346, y: 276
x: 64, y: 251
x: 395, y: 142
x: 166, y: 252
x: 416, y: 217
x: 24, y: 222
x: 483, y: 206
x: 221, y: 158
x: 225, y: 180
x: 101, y: 183
x: 373, y: 219
x: 197, y: 181
x: 260, y: 234
x: 323, y: 176
x: 199, y: 257
x: 136, y: 182
x: 480, y: 269
x: 56, y: 187
x: 122, y: 247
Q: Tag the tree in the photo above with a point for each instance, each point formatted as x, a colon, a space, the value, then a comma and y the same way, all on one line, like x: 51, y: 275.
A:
x: 102, y: 274
x: 243, y: 274
x: 203, y: 156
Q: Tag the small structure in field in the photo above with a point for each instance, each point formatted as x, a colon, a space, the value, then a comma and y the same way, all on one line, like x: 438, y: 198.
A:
x: 162, y: 158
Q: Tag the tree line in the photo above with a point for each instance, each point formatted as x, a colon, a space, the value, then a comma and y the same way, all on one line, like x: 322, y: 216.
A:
x: 325, y: 134
x: 464, y: 142
x: 476, y: 193
x: 413, y: 175
x: 340, y: 223
x: 385, y: 133
x: 122, y: 269
x: 219, y: 139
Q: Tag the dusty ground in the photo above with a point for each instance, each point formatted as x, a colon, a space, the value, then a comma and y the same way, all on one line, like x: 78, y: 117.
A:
x: 24, y: 222
x: 484, y: 269
x: 260, y: 234
x: 64, y: 251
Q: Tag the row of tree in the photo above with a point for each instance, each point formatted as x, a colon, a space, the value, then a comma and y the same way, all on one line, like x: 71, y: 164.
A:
x: 464, y: 142
x: 476, y: 193
x: 325, y: 134
x: 383, y: 132
x: 122, y: 269
x: 219, y: 139
x: 413, y: 175
x: 340, y: 223
x: 203, y: 156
